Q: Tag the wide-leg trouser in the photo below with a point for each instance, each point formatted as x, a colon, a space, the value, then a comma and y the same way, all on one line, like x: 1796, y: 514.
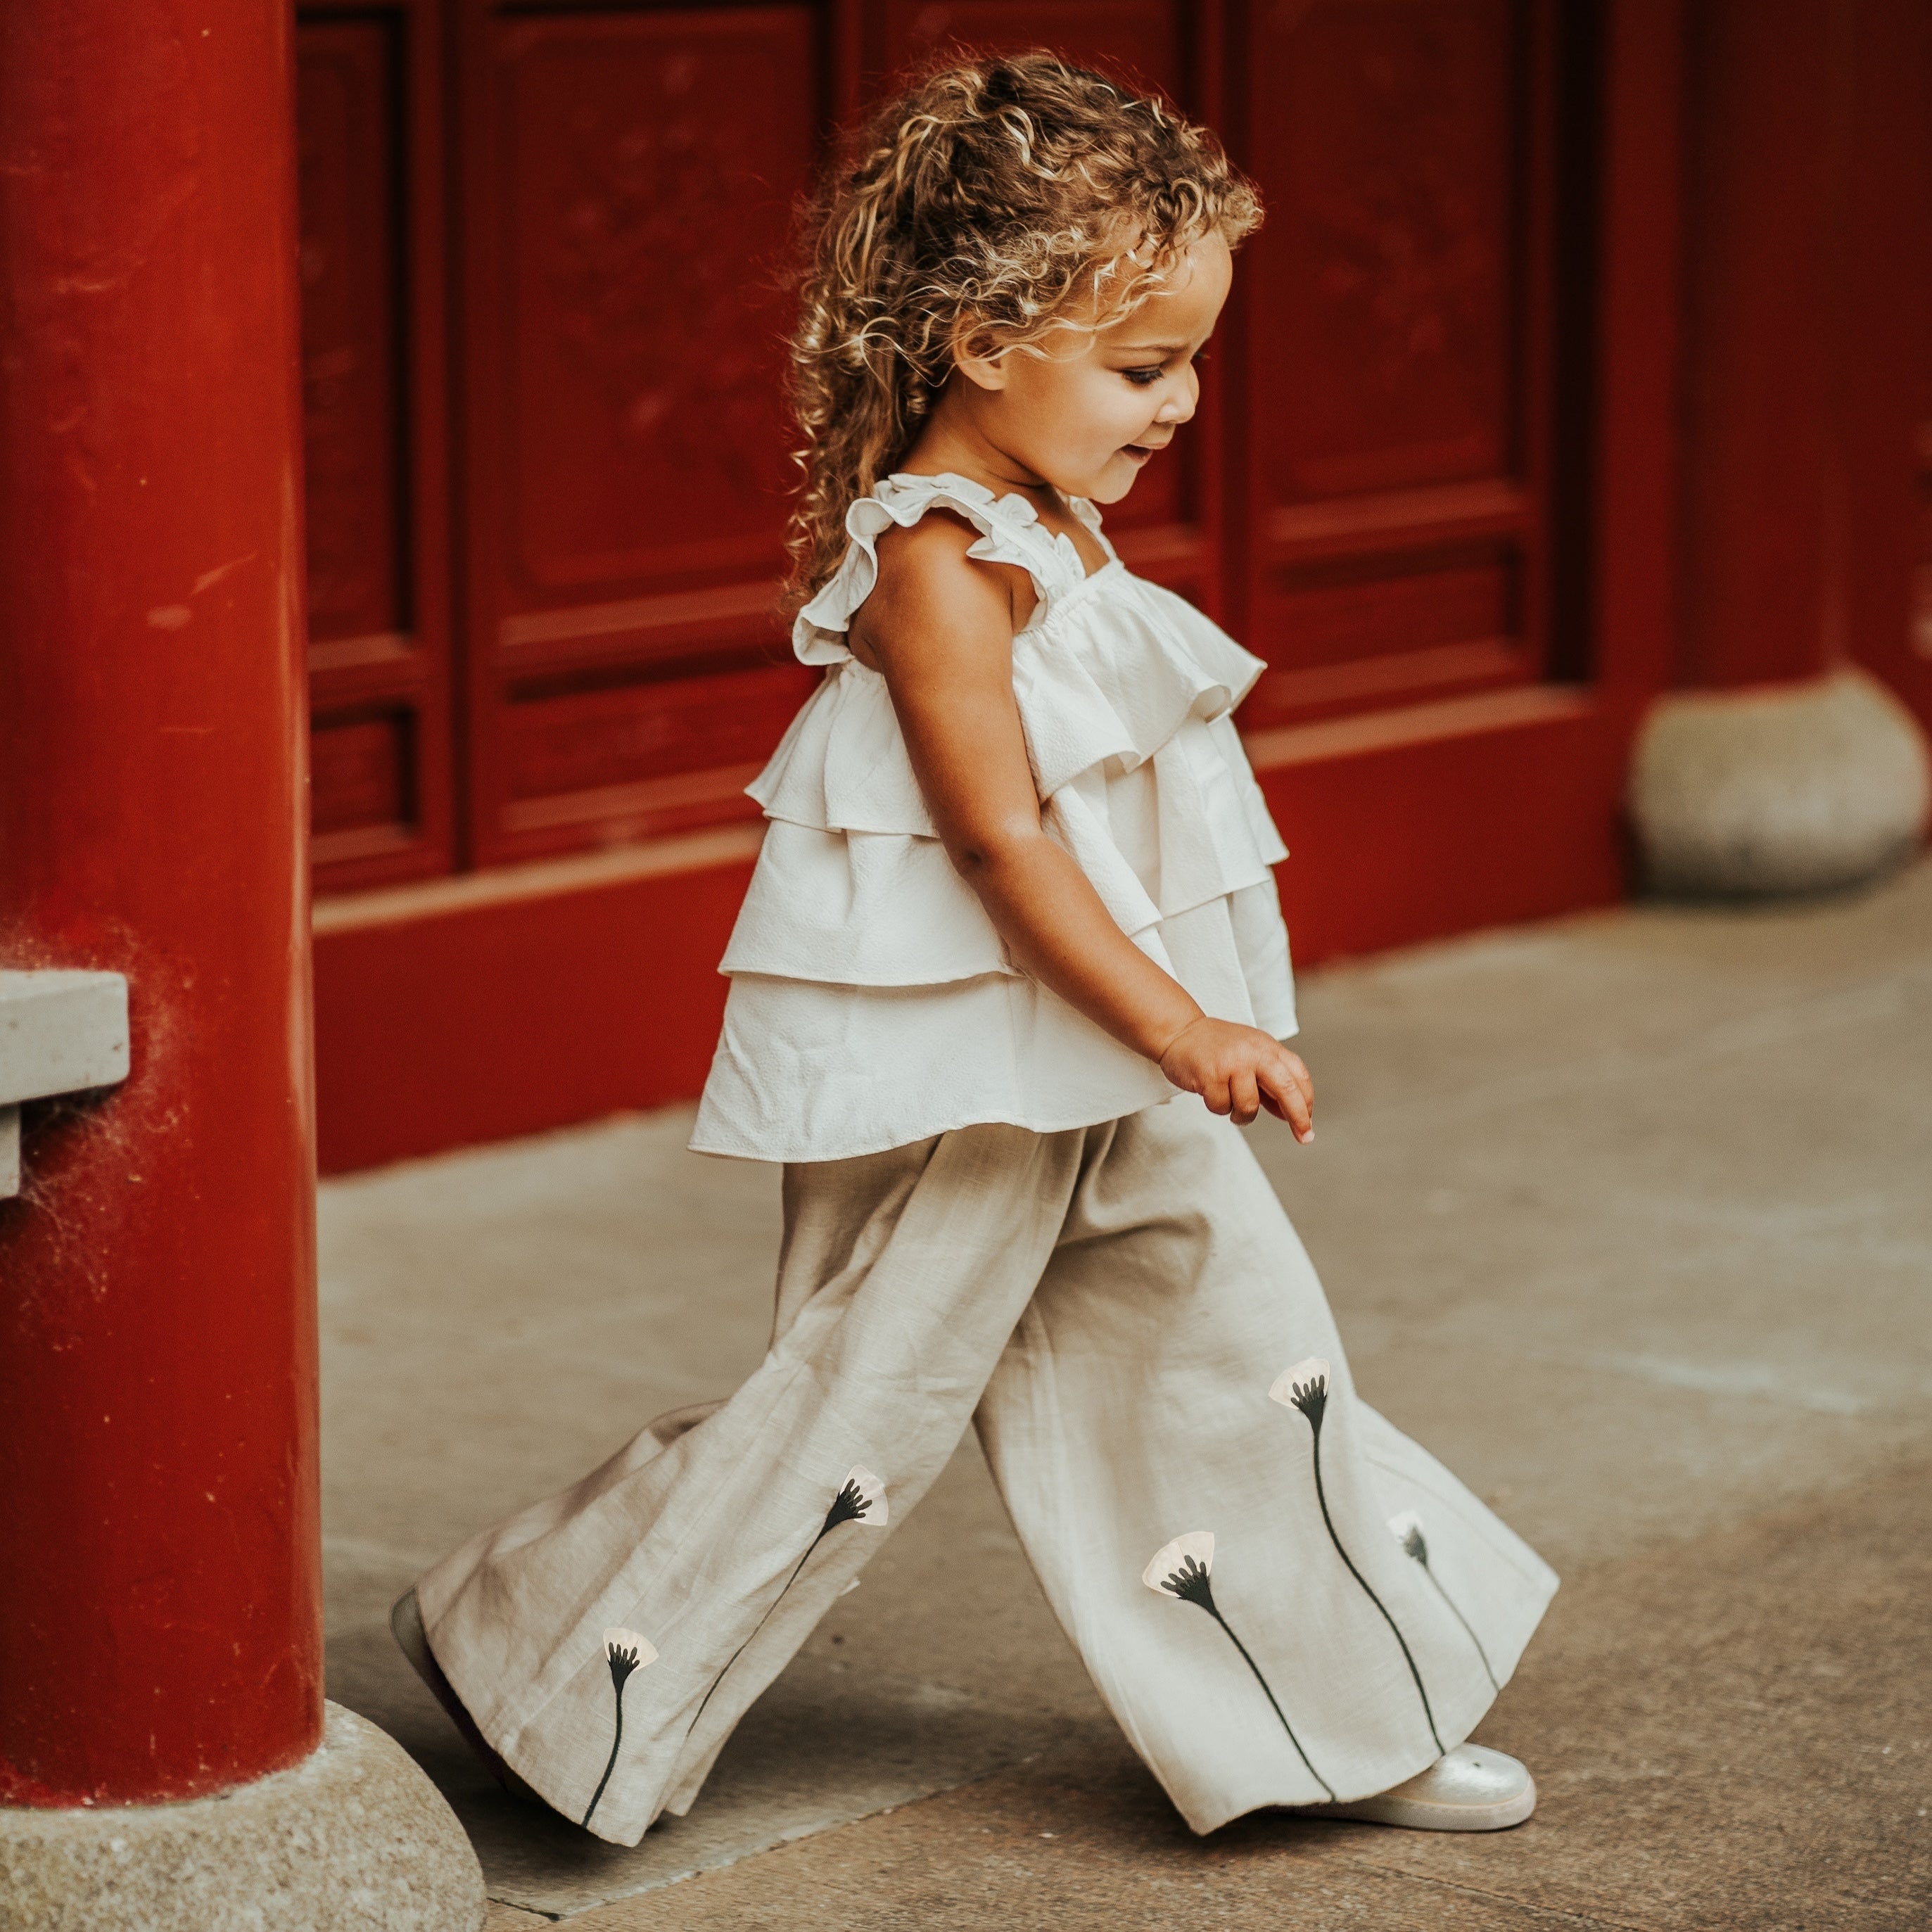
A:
x: 1116, y: 1306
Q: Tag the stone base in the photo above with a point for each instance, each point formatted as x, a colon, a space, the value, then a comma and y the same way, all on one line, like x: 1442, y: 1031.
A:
x: 355, y: 1840
x: 1757, y: 794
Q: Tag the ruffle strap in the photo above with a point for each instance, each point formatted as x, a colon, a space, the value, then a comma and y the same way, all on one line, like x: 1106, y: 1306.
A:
x: 1009, y: 533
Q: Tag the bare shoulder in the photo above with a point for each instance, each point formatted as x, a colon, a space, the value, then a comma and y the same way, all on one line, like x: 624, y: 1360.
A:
x: 928, y: 588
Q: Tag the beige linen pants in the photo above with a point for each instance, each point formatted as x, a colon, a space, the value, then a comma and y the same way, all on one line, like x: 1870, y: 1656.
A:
x: 1281, y: 1598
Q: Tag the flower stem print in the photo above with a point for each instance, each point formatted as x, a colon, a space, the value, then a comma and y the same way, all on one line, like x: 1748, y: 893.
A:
x: 1181, y: 1569
x: 1305, y: 1386
x: 624, y: 1651
x: 1407, y: 1530
x: 861, y: 1498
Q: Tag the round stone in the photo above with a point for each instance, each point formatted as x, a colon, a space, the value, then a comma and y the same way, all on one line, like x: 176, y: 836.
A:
x: 356, y: 1835
x: 1804, y: 788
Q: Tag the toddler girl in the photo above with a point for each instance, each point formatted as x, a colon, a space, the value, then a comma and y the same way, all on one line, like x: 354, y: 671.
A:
x: 1013, y: 913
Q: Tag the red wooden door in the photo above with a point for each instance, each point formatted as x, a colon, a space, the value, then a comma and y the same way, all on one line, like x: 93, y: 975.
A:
x: 1375, y: 497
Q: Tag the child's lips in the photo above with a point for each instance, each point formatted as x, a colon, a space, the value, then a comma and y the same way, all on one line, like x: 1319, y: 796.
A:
x: 1139, y: 453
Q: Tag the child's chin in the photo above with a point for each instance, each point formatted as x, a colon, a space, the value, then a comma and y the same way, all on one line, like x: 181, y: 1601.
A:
x: 1109, y: 487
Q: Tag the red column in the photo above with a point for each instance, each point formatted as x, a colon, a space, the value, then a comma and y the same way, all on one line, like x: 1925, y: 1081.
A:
x: 1888, y: 290
x: 159, y: 1625
x: 1805, y: 270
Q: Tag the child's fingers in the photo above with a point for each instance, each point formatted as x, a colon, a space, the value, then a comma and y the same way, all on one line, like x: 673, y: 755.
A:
x: 1291, y: 1102
x: 1304, y: 1079
x: 1243, y: 1090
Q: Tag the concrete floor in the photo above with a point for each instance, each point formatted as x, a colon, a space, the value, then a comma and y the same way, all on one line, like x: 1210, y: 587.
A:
x: 1627, y: 1217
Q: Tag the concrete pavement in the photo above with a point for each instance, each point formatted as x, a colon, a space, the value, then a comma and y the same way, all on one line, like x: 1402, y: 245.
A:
x: 1628, y: 1217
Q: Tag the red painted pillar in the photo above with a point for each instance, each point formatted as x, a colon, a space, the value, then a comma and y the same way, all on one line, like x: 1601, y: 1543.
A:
x: 1806, y: 271
x: 1888, y: 290
x: 159, y: 1625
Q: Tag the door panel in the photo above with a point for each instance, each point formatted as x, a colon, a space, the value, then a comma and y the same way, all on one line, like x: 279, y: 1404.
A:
x: 1396, y: 367
x: 628, y: 220
x: 646, y: 165
x: 352, y: 348
x: 383, y: 798
x: 1386, y: 135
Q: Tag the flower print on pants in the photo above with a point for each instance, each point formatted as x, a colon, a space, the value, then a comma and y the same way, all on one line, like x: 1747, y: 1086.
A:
x: 1305, y: 1386
x: 861, y: 1498
x: 1407, y: 1530
x: 624, y: 1651
x: 1183, y: 1568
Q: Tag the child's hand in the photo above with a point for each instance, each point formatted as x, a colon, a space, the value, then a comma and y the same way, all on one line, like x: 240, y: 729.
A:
x: 1238, y: 1070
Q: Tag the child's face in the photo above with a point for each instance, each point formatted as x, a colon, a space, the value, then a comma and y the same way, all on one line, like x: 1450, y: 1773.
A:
x: 1089, y: 421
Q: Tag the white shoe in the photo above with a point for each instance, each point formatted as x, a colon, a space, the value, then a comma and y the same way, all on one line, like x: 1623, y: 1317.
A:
x: 1470, y: 1789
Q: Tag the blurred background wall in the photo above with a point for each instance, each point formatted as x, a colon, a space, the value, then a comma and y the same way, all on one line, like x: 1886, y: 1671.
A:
x: 1566, y: 452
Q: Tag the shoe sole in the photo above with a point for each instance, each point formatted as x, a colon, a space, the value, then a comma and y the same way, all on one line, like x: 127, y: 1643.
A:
x: 1412, y: 1814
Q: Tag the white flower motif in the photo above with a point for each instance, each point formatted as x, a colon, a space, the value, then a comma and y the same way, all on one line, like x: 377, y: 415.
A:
x: 872, y: 1493
x: 861, y: 1498
x: 1290, y: 1386
x: 1171, y: 1558
x: 624, y: 1651
x: 1406, y: 1528
x: 1180, y: 1570
x: 628, y: 1646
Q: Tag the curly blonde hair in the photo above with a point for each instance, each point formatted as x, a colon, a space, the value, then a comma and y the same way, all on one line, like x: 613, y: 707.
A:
x: 989, y: 204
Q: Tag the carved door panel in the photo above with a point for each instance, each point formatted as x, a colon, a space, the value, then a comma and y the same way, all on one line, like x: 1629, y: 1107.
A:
x: 372, y: 241
x: 627, y: 183
x: 1397, y: 395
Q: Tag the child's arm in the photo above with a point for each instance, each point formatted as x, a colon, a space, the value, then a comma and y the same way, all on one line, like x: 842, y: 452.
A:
x: 941, y: 625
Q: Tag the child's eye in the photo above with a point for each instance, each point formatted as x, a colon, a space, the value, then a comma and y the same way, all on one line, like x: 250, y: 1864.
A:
x: 1142, y: 378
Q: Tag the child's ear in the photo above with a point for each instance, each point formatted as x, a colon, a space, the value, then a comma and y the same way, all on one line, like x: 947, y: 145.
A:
x: 984, y: 372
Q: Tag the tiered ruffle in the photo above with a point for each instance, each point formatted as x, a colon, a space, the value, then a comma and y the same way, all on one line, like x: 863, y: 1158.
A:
x: 872, y: 1001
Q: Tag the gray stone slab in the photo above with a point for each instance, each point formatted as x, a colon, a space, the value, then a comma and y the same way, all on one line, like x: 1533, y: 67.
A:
x: 1625, y: 1216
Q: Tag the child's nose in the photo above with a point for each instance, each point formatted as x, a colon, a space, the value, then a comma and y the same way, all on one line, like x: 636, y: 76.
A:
x: 1179, y: 407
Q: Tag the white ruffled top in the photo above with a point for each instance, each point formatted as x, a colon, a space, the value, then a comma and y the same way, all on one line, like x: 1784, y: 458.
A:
x: 872, y: 1002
